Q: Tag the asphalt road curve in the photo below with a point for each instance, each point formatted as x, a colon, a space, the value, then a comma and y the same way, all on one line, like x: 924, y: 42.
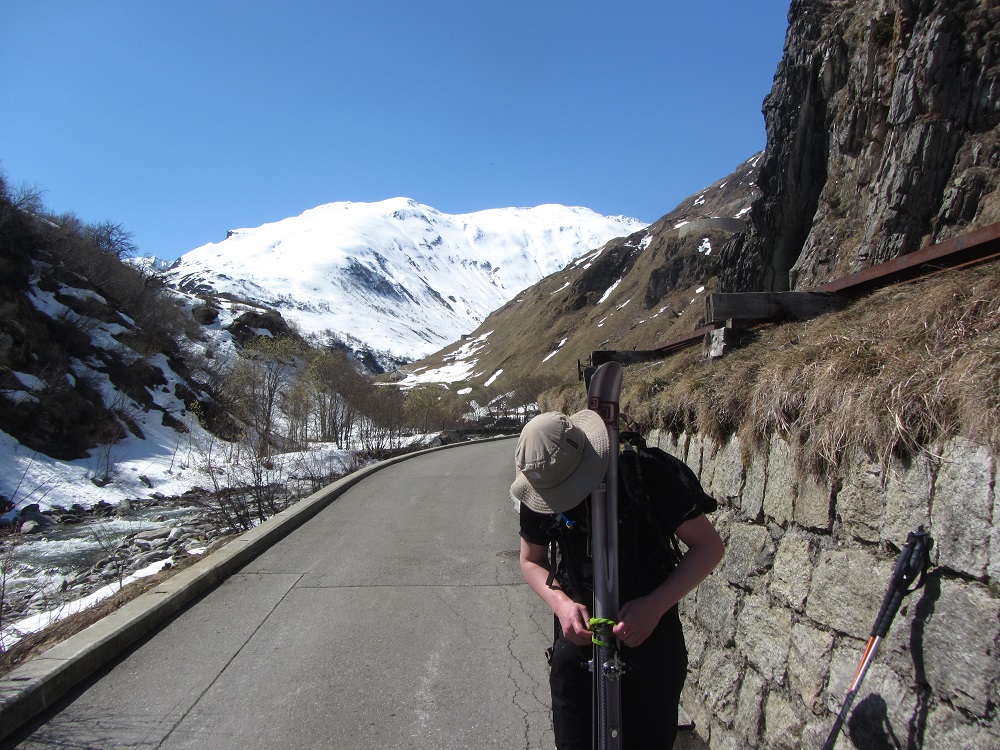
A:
x: 396, y: 618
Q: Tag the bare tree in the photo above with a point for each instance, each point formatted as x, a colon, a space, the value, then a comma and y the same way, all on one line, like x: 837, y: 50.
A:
x: 423, y: 406
x: 112, y: 238
x: 254, y: 385
x: 338, y: 389
x: 381, y: 422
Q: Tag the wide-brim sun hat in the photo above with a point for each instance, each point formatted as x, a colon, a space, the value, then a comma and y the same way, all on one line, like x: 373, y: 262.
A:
x: 560, y: 460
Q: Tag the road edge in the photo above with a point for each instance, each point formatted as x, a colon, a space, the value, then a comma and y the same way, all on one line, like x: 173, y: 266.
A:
x: 42, y: 681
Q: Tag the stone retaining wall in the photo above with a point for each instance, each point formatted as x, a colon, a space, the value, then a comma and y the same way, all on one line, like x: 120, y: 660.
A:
x: 776, y: 634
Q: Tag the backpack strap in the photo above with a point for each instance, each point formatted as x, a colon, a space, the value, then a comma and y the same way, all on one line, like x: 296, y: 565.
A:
x: 630, y: 465
x: 563, y: 558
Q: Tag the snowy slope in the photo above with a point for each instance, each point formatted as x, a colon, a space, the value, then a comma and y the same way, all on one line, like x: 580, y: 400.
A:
x: 395, y: 276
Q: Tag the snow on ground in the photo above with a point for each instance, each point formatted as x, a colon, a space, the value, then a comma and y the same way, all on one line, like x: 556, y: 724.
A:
x: 396, y: 276
x: 493, y: 378
x: 460, y: 365
x: 556, y: 351
x: 609, y: 291
x: 587, y: 261
x: 168, y: 460
x: 14, y: 632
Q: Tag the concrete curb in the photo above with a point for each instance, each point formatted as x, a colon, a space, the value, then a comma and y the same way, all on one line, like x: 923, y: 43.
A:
x: 42, y: 681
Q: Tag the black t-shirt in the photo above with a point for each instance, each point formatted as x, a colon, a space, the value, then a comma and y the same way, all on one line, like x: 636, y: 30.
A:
x: 643, y: 561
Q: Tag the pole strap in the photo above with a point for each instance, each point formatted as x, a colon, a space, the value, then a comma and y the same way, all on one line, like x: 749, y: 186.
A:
x: 601, y: 629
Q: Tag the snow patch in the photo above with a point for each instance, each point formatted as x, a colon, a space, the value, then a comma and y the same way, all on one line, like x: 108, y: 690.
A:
x: 556, y: 350
x: 609, y: 291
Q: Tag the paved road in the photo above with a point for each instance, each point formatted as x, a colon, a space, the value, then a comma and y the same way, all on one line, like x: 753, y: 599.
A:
x: 396, y: 618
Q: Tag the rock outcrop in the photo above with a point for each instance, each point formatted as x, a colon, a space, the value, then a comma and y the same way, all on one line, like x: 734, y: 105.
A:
x: 883, y: 136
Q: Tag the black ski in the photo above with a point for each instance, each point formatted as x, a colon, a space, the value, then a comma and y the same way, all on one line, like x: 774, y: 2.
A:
x: 603, y: 394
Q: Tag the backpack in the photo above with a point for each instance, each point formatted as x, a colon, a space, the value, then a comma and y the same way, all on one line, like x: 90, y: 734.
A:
x: 569, y: 557
x: 632, y: 448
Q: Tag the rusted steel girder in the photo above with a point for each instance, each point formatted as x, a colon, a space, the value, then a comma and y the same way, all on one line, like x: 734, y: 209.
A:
x: 972, y: 247
x: 976, y: 246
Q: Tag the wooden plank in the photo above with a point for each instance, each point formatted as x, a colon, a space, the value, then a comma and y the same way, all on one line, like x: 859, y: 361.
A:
x: 770, y: 306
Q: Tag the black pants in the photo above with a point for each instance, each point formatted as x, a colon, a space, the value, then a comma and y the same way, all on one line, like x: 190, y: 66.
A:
x: 651, y: 690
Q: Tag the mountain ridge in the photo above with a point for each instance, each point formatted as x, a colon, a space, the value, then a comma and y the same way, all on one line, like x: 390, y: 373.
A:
x: 631, y: 293
x: 394, y: 276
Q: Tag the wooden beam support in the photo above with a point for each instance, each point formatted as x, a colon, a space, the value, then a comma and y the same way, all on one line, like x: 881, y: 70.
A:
x: 727, y: 314
x: 770, y: 306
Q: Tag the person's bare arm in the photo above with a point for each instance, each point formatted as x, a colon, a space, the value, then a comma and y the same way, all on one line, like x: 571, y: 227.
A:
x: 574, y: 619
x: 639, y: 617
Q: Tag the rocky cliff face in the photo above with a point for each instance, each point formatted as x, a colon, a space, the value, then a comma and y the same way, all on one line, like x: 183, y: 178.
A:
x: 883, y: 136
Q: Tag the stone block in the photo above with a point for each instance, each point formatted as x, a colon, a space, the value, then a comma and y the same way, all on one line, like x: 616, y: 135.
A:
x: 716, y: 609
x: 697, y: 640
x: 665, y: 440
x: 861, y: 500
x: 750, y: 709
x: 812, y: 504
x: 950, y: 729
x: 694, y: 705
x: 784, y: 725
x: 749, y: 554
x: 727, y: 478
x: 907, y: 498
x: 815, y: 733
x: 719, y: 681
x: 726, y: 739
x: 693, y: 453
x: 959, y: 645
x: 755, y: 478
x: 847, y: 589
x: 884, y: 702
x: 792, y: 570
x: 993, y: 568
x: 705, y: 465
x: 763, y: 635
x: 809, y: 663
x: 962, y: 506
x: 779, y: 488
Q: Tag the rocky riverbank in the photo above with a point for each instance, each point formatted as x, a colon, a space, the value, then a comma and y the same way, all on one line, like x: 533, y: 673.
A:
x: 98, y: 548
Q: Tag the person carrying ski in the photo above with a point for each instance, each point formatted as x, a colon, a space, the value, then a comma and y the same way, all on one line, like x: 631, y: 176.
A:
x: 559, y: 461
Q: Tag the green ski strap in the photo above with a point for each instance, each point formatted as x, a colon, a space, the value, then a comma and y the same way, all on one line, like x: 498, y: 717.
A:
x: 601, y: 629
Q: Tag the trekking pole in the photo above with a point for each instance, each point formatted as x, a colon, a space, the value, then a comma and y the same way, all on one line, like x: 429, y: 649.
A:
x: 910, y: 573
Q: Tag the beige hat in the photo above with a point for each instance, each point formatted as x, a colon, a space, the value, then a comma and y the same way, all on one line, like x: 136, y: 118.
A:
x: 559, y: 460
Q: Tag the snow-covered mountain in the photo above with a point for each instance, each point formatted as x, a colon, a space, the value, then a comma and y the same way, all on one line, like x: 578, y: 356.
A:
x: 394, y: 276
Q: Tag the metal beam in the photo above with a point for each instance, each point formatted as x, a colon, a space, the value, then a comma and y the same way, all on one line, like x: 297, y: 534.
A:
x: 975, y: 246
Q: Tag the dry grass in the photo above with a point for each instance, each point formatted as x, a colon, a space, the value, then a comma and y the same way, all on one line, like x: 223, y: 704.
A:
x: 895, y: 374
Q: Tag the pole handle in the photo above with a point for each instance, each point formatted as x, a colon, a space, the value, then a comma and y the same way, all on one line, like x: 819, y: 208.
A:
x: 909, y: 575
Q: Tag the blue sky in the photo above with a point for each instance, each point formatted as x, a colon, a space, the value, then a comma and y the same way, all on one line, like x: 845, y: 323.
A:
x: 181, y: 120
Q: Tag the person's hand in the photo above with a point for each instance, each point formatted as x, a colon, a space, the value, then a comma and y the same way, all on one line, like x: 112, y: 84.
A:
x: 574, y: 619
x: 637, y: 619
